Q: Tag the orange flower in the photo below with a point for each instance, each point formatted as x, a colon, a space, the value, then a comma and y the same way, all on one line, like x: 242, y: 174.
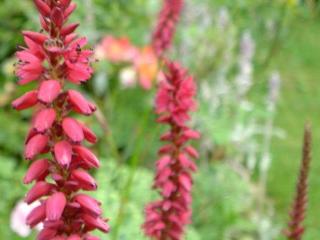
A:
x: 116, y: 49
x: 146, y: 64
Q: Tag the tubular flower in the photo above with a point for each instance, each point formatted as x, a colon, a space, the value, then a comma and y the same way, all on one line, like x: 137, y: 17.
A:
x: 295, y: 228
x: 166, y: 25
x: 166, y: 218
x: 52, y: 58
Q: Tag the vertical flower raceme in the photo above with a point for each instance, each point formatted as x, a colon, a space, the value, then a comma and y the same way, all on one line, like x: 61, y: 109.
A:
x: 59, y: 162
x: 295, y: 228
x: 166, y: 25
x: 166, y: 218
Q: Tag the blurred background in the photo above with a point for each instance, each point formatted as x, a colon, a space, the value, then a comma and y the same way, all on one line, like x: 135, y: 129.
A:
x: 257, y: 66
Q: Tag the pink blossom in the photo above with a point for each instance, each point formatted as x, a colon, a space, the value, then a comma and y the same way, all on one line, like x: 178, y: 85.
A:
x: 51, y: 58
x: 166, y: 218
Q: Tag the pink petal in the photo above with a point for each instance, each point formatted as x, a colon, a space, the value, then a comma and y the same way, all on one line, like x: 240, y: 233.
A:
x: 35, y: 146
x: 89, y: 134
x: 79, y: 103
x: 63, y: 153
x: 49, y: 91
x: 55, y: 206
x: 96, y: 223
x: 44, y: 120
x: 27, y: 100
x: 69, y: 29
x: 37, y: 215
x: 87, y: 156
x: 38, y: 38
x: 73, y: 129
x: 46, y: 234
x: 36, y: 170
x: 89, y: 204
x: 37, y: 191
x: 84, y: 179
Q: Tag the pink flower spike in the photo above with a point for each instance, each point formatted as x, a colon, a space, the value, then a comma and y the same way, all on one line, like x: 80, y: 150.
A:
x: 36, y: 170
x: 37, y: 215
x: 73, y: 129
x: 49, y: 91
x: 79, y: 103
x: 63, y: 153
x: 35, y: 146
x: 55, y: 206
x: 44, y: 120
x: 84, y: 179
x: 88, y: 204
x: 25, y: 101
x: 37, y: 191
x: 87, y: 156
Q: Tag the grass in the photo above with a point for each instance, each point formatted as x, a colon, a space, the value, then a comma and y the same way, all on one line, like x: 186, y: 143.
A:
x: 298, y: 61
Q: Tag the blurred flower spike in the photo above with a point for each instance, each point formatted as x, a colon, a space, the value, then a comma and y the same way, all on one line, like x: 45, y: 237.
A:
x: 52, y: 58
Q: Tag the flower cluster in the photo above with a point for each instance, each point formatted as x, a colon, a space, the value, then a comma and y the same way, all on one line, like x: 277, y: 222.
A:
x: 295, y: 228
x: 52, y: 58
x: 166, y: 25
x: 166, y: 218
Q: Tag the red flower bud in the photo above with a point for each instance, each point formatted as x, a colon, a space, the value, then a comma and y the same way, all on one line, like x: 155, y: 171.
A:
x: 63, y: 153
x: 73, y: 129
x: 44, y: 120
x: 36, y: 170
x: 35, y: 146
x: 55, y: 206
x: 25, y: 101
x: 49, y: 91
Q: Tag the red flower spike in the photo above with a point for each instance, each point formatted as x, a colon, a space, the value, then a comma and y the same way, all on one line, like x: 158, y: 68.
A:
x: 55, y: 206
x: 63, y: 153
x: 295, y: 226
x: 36, y: 170
x: 166, y: 219
x: 25, y: 101
x: 49, y: 91
x: 44, y: 120
x: 168, y: 18
x: 50, y: 58
x: 73, y: 129
x: 35, y: 146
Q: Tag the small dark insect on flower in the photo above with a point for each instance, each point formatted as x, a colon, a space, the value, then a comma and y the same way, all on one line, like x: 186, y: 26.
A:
x: 295, y: 228
x: 52, y: 57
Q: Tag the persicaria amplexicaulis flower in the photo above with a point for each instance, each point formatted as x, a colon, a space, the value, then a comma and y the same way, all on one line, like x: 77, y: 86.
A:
x: 296, y: 229
x: 166, y: 26
x: 52, y: 58
x: 166, y: 218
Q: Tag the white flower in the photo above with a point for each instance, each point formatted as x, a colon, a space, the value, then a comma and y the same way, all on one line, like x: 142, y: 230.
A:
x: 128, y: 77
x: 19, y: 216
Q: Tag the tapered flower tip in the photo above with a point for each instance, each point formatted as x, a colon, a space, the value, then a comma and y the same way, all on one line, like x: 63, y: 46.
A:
x: 35, y: 146
x: 49, y: 91
x: 36, y: 170
x: 89, y: 204
x: 84, y: 179
x: 63, y: 153
x: 69, y: 29
x: 37, y: 215
x: 44, y: 120
x: 47, y: 233
x: 57, y: 17
x: 73, y: 129
x: 42, y: 7
x: 87, y: 156
x: 35, y: 36
x: 74, y: 237
x: 55, y: 206
x: 72, y: 6
x: 89, y: 135
x: 79, y: 103
x: 38, y: 190
x: 27, y: 100
x: 97, y: 223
